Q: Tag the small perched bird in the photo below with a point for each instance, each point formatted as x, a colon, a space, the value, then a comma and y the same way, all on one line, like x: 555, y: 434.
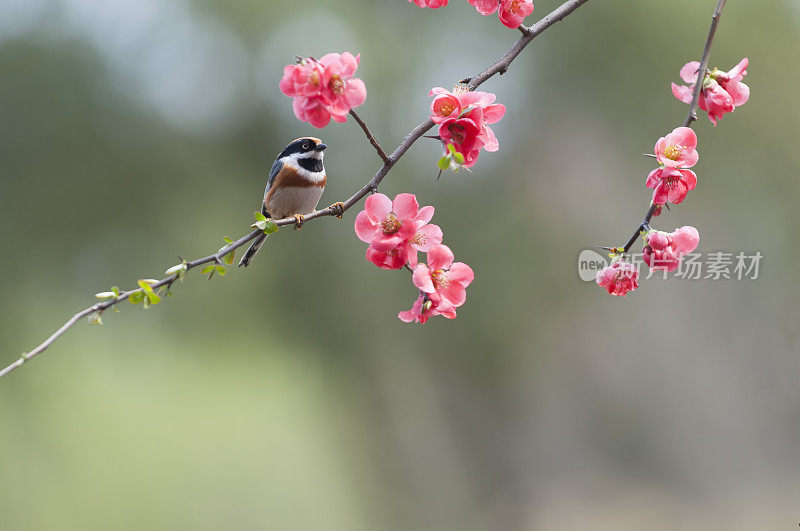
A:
x: 294, y: 186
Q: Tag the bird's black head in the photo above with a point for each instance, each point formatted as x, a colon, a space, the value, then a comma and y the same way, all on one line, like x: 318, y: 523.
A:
x: 303, y: 148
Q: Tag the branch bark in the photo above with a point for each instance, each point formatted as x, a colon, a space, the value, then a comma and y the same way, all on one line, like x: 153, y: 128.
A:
x: 501, y: 66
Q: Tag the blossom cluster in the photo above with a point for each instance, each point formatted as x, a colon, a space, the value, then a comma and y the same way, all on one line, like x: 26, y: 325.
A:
x: 664, y: 251
x: 324, y: 89
x: 396, y: 230
x: 511, y: 12
x: 676, y: 152
x: 463, y: 117
x: 721, y: 92
x: 671, y: 181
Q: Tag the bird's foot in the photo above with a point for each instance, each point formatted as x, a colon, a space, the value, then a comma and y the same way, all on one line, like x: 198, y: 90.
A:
x: 298, y: 222
x: 338, y: 209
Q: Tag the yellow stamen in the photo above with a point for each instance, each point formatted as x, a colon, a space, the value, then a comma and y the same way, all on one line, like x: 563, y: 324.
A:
x: 673, y: 152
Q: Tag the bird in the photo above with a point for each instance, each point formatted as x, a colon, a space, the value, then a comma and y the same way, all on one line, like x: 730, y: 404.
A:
x: 294, y: 186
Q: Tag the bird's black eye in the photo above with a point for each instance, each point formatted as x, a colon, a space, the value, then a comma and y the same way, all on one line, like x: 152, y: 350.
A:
x: 306, y: 146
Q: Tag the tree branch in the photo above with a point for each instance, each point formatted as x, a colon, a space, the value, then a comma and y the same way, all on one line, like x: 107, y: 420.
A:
x: 370, y: 137
x: 501, y: 66
x: 692, y: 115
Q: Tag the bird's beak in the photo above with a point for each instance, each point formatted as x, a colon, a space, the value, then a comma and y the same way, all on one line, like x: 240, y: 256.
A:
x: 321, y: 147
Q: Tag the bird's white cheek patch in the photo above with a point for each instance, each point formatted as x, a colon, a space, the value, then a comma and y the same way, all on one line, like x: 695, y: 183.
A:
x: 314, y: 177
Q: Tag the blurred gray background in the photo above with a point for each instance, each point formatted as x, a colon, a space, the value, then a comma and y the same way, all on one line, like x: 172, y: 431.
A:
x: 289, y: 396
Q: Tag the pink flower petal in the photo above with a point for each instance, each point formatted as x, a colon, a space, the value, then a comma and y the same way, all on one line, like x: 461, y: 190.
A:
x: 739, y: 92
x: 476, y: 99
x: 494, y: 113
x: 654, y: 178
x: 485, y: 7
x: 685, y: 239
x: 438, y: 91
x: 461, y: 273
x: 440, y: 257
x: 407, y: 316
x: 689, y: 71
x: 455, y: 293
x: 677, y: 193
x: 378, y: 206
x: 682, y: 92
x: 690, y: 178
x: 355, y: 92
x: 406, y: 207
x: 684, y: 136
x: 365, y: 227
x: 660, y: 194
x: 740, y: 69
x: 425, y: 214
x: 422, y: 278
x: 386, y: 243
x: 426, y: 237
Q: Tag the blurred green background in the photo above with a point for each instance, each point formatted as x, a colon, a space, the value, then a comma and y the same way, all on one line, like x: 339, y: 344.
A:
x: 289, y: 396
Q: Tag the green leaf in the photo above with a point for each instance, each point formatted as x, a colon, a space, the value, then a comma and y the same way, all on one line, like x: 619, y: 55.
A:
x: 458, y: 157
x: 153, y: 298
x: 145, y: 286
x: 115, y: 289
x: 230, y: 256
x: 221, y: 270
x: 270, y: 227
x: 451, y: 148
x: 260, y: 217
x: 228, y: 240
x: 136, y: 297
x: 207, y: 269
x: 444, y: 162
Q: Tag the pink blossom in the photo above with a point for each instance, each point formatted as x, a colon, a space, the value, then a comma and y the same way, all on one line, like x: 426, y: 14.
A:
x: 426, y: 306
x: 392, y: 259
x: 302, y: 79
x: 445, y: 105
x: 678, y: 148
x: 464, y: 134
x: 721, y: 93
x: 464, y: 117
x: 485, y: 7
x: 670, y: 184
x: 324, y: 89
x: 311, y: 109
x: 731, y: 82
x: 664, y: 251
x: 433, y: 4
x: 341, y: 91
x: 619, y: 278
x: 512, y: 12
x: 443, y: 277
x: 398, y: 225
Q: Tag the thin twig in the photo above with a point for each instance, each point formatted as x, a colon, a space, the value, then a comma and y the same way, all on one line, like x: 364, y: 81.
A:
x: 370, y: 137
x: 388, y: 161
x: 692, y: 115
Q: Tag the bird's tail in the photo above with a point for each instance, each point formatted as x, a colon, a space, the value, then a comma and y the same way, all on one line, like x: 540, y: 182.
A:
x: 251, y: 252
